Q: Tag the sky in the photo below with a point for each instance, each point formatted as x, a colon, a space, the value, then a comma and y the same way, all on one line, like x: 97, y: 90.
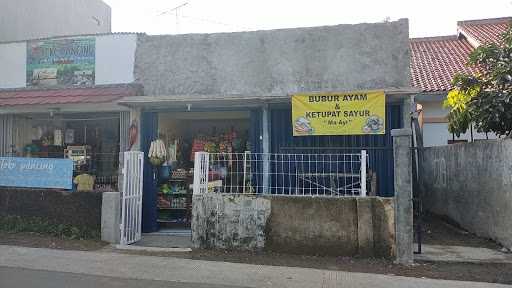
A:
x: 426, y: 17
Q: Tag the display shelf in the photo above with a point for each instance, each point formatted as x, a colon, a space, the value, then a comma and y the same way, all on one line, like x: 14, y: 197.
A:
x: 174, y: 194
x: 179, y: 215
x: 170, y: 221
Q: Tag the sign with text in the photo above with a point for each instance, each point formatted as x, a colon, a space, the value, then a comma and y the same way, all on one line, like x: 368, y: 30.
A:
x: 36, y: 172
x: 63, y: 62
x: 353, y: 113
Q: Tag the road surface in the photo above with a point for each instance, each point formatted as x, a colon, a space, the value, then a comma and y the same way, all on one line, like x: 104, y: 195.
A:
x: 28, y: 278
x: 36, y: 265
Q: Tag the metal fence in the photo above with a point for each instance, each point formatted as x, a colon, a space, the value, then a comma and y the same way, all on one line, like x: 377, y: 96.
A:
x: 331, y: 175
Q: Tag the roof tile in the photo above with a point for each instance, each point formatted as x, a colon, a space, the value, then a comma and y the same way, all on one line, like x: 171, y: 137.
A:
x: 435, y: 60
x: 485, y: 31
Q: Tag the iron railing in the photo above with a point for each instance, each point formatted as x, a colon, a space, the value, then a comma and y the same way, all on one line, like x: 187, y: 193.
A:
x: 330, y: 175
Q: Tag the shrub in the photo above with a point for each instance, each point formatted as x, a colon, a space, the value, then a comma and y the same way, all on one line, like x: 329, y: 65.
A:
x: 16, y: 224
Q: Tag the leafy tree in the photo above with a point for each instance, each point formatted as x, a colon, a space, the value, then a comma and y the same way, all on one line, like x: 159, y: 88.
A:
x: 484, y: 99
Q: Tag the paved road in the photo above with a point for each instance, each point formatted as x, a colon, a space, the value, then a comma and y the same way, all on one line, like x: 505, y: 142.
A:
x: 195, y: 272
x: 28, y: 278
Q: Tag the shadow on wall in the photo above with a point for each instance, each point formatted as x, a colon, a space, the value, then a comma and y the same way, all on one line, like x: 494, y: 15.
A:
x: 471, y: 184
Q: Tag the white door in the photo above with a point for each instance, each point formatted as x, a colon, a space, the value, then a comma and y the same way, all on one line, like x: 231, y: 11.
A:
x: 131, y: 209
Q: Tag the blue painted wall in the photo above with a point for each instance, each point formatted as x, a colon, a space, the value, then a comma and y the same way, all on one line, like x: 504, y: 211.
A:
x: 379, y: 147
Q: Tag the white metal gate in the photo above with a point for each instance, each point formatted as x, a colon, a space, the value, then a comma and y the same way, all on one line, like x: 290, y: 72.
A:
x: 131, y: 209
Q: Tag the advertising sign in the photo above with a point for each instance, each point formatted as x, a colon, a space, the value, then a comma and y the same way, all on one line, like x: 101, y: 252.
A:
x: 36, y: 172
x: 64, y: 62
x: 353, y: 113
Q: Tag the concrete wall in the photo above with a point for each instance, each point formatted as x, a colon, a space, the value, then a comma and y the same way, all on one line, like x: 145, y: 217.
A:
x: 223, y: 221
x: 301, y: 225
x: 115, y: 59
x: 29, y: 19
x: 111, y: 217
x: 332, y: 226
x: 275, y: 62
x: 471, y: 183
x: 13, y: 65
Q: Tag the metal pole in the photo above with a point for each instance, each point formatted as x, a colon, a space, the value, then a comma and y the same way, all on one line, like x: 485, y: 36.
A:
x: 245, y: 170
x: 266, y: 149
x: 471, y: 129
x: 363, y: 173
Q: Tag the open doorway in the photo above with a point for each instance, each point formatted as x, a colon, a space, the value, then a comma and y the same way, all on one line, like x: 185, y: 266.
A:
x: 183, y: 134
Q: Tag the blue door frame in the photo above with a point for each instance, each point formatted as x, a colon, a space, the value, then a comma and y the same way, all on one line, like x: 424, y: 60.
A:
x: 149, y: 131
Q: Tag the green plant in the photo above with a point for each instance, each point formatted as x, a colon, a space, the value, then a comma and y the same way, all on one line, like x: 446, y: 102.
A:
x: 484, y: 99
x: 16, y: 224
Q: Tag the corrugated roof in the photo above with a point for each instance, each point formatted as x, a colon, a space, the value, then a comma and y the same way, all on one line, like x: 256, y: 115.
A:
x: 97, y: 94
x: 72, y: 36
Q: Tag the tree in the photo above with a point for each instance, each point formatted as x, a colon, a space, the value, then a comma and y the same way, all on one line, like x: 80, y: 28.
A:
x: 484, y: 99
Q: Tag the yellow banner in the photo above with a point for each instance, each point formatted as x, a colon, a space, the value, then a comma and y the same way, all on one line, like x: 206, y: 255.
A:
x: 353, y: 113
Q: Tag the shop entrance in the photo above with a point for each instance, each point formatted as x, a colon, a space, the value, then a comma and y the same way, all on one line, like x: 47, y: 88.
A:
x: 183, y: 134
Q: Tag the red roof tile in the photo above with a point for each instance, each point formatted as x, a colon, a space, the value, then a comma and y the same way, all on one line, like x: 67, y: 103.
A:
x: 98, y: 94
x: 486, y: 30
x: 434, y: 61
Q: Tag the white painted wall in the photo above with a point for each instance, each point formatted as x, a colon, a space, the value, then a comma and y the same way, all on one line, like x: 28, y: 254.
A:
x: 13, y: 59
x: 115, y: 58
x: 436, y: 134
x: 434, y: 109
x: 33, y: 19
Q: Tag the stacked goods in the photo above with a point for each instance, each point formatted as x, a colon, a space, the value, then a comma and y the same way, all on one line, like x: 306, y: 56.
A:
x: 197, y: 146
x: 179, y: 174
x: 180, y: 203
x: 226, y: 143
x: 163, y: 203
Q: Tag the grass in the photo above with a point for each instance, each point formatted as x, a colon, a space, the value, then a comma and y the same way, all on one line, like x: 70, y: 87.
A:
x: 16, y: 224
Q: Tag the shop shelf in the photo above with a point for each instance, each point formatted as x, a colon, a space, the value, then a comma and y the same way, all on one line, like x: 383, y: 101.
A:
x: 174, y: 194
x: 171, y: 221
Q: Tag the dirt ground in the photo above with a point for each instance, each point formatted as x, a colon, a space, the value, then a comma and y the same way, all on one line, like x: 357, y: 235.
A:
x: 438, y: 232
x: 36, y: 240
x: 441, y: 231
